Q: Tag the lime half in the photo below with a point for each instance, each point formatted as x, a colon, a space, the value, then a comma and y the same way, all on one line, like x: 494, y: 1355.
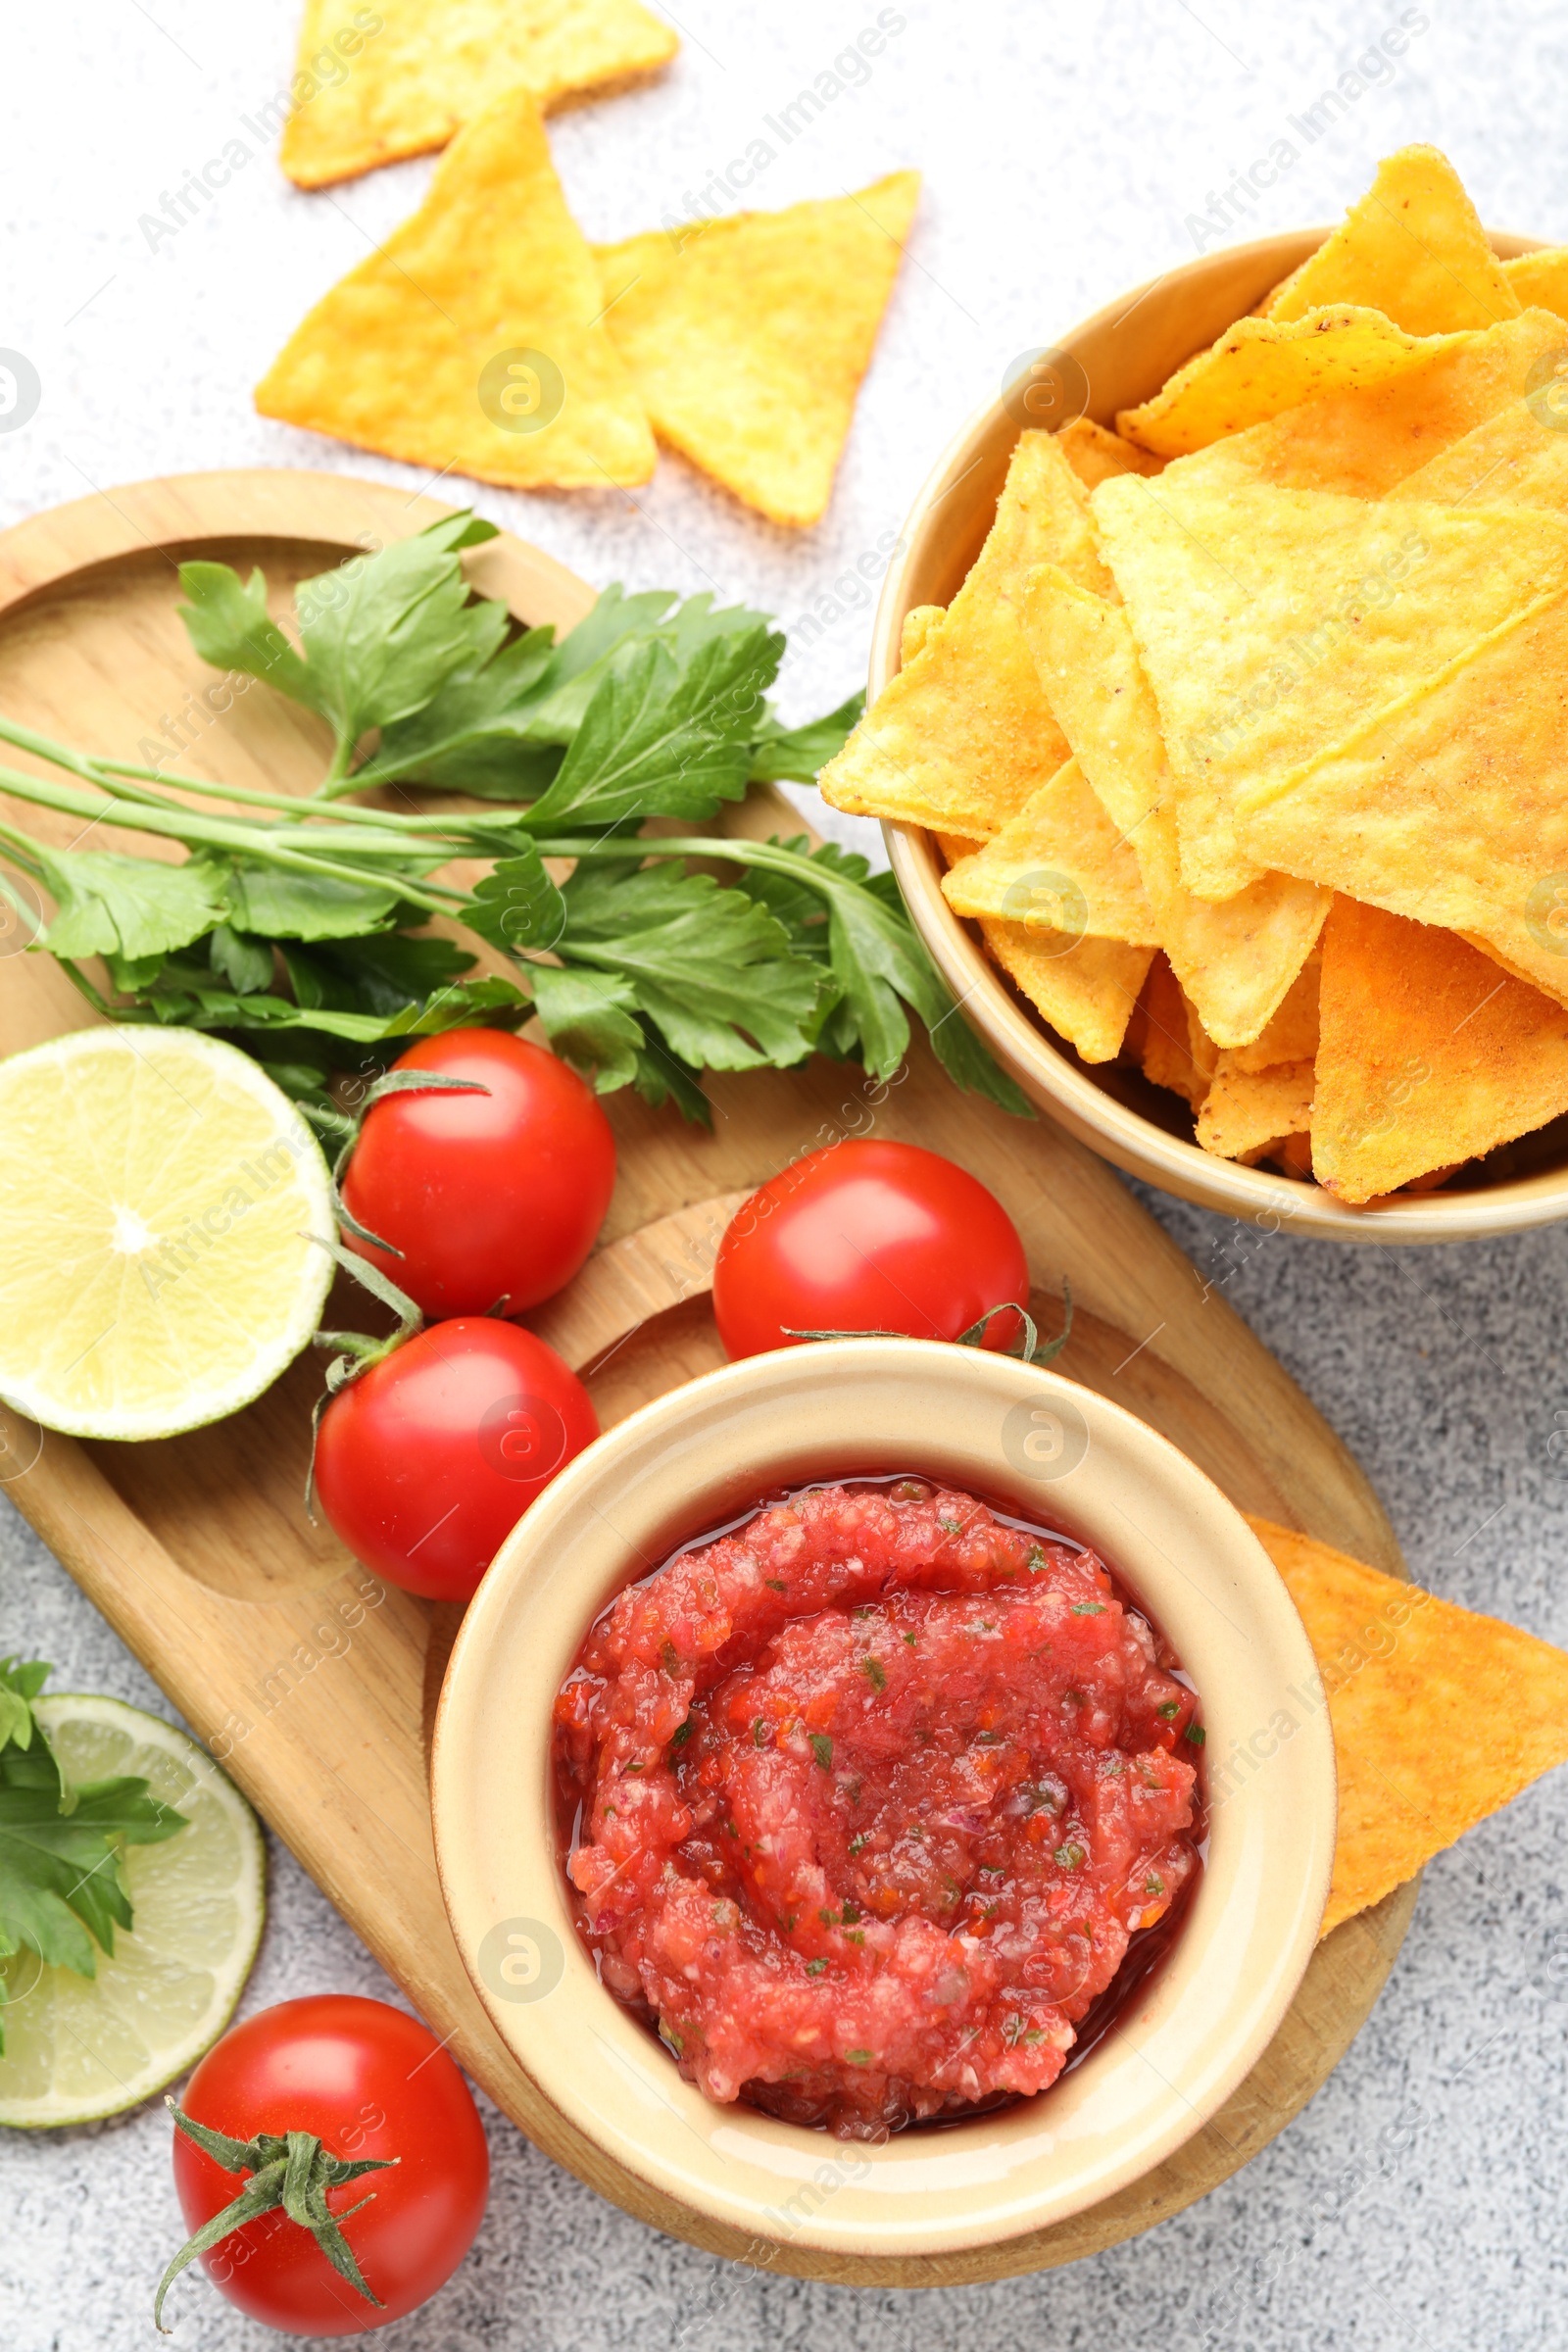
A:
x: 155, y: 1192
x: 82, y: 2047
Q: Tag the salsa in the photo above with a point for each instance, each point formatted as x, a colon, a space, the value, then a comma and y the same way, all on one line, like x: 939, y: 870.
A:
x: 866, y: 1798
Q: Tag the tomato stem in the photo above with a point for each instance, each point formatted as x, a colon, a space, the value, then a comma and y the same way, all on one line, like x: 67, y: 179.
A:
x: 1026, y: 1348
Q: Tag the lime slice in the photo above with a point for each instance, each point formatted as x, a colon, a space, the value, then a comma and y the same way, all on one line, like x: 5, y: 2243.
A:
x: 155, y: 1188
x: 82, y: 2047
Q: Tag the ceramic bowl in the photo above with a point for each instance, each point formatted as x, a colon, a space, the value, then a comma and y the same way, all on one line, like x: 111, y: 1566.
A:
x: 1122, y: 355
x: 608, y: 2093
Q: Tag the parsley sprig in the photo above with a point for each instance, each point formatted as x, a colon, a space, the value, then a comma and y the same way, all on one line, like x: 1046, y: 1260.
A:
x: 300, y: 928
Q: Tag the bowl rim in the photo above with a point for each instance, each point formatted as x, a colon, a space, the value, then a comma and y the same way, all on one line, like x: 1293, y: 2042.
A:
x: 514, y: 1635
x: 1016, y: 1036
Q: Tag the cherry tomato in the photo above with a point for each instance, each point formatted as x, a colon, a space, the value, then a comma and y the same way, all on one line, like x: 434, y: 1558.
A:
x: 489, y: 1197
x: 367, y: 2081
x: 427, y: 1461
x: 868, y: 1235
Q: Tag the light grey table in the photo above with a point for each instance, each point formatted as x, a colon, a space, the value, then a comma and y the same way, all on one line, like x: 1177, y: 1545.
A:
x: 1417, y: 2205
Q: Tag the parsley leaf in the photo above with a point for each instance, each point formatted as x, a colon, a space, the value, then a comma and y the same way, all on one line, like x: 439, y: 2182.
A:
x: 798, y: 755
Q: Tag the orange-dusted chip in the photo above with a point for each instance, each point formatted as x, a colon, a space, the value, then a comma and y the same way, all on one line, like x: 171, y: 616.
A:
x: 1245, y: 1111
x: 1095, y: 455
x: 1292, y: 1034
x: 1430, y: 1054
x: 408, y: 81
x: 1440, y: 1716
x: 954, y: 845
x: 1060, y: 866
x: 1260, y: 366
x: 918, y: 623
x: 1540, y: 281
x: 470, y: 340
x: 1086, y: 988
x: 1163, y: 1034
x: 1414, y: 249
x: 748, y: 336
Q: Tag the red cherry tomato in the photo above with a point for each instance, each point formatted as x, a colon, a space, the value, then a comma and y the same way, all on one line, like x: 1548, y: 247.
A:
x: 367, y: 2081
x: 426, y: 1462
x: 489, y: 1197
x: 868, y: 1235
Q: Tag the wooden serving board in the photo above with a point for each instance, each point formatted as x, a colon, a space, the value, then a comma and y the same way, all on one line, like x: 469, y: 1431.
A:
x: 314, y: 1683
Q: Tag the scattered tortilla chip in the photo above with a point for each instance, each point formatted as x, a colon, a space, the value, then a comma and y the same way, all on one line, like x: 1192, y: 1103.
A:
x: 1430, y: 1054
x: 364, y: 98
x: 1095, y: 455
x: 1540, y: 279
x: 490, y: 276
x: 1060, y: 866
x: 1293, y: 1033
x: 1363, y: 443
x: 748, y: 336
x: 1245, y: 1111
x: 1259, y: 367
x: 1447, y: 804
x: 1238, y: 960
x: 1162, y: 1034
x: 1086, y: 988
x: 1414, y: 249
x: 1271, y: 621
x: 1440, y: 1716
x: 963, y: 734
x: 918, y: 623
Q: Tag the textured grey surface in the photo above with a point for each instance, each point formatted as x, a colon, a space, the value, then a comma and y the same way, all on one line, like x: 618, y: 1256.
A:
x: 1416, y: 2205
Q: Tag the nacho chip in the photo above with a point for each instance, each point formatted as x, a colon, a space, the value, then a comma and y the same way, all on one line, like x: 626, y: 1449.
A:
x: 1540, y: 279
x: 954, y: 845
x: 1162, y: 1034
x: 1448, y: 805
x: 1293, y: 1033
x: 1259, y: 367
x: 364, y: 98
x: 1245, y: 1111
x: 918, y: 623
x: 1238, y: 960
x: 1431, y: 1054
x: 1518, y: 458
x: 748, y: 336
x: 483, y: 306
x: 1086, y: 988
x: 1096, y: 455
x: 963, y: 734
x: 1060, y: 866
x: 1363, y: 443
x: 1440, y: 1716
x: 1414, y: 249
x: 1271, y: 621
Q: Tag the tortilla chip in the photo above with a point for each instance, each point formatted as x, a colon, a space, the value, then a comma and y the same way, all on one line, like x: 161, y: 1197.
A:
x: 1059, y: 866
x: 1363, y: 443
x: 1414, y: 249
x: 1245, y: 1111
x: 1540, y: 279
x: 963, y: 734
x: 433, y: 65
x: 1162, y: 1035
x: 1237, y: 961
x: 748, y: 336
x: 1259, y: 367
x: 954, y: 845
x: 1271, y: 621
x: 1086, y: 988
x: 1517, y: 458
x: 1096, y: 455
x: 490, y: 275
x: 1431, y: 1054
x: 1440, y: 1716
x: 1448, y: 804
x: 1293, y: 1033
x: 918, y: 623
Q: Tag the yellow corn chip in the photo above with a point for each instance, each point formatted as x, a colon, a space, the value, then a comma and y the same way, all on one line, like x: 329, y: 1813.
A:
x: 1259, y: 367
x: 748, y: 336
x: 918, y: 623
x: 470, y: 339
x: 1096, y: 455
x: 1270, y: 621
x: 1447, y: 804
x: 1540, y: 281
x: 1365, y: 442
x: 1236, y: 961
x: 1060, y: 866
x: 954, y: 845
x: 963, y: 734
x: 1162, y: 1034
x: 364, y: 97
x: 1245, y: 1111
x: 1430, y: 1054
x: 1440, y: 1716
x: 1293, y: 1033
x: 1518, y: 458
x: 1086, y: 988
x: 1414, y: 249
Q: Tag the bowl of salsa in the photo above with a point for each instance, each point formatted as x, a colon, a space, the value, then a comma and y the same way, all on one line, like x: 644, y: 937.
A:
x: 822, y: 1810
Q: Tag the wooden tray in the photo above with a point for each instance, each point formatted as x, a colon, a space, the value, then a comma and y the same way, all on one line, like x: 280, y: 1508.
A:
x: 314, y: 1683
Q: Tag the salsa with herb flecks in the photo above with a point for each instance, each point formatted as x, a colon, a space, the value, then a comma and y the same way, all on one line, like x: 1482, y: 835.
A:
x: 867, y: 1798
